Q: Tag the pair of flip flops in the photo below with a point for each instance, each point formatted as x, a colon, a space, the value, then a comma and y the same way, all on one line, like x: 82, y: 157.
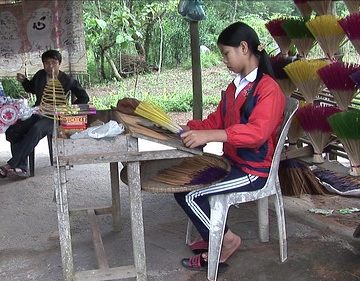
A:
x: 199, y: 263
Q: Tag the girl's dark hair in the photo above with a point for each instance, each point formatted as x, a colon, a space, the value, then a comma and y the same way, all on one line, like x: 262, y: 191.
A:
x: 51, y: 54
x: 238, y: 32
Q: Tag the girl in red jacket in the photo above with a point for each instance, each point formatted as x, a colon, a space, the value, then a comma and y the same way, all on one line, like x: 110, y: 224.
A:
x: 246, y: 121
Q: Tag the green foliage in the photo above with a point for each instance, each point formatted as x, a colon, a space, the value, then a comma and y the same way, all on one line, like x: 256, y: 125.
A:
x: 13, y: 88
x: 208, y: 59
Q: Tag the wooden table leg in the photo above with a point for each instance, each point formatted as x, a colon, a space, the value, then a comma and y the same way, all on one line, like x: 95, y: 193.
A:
x: 64, y: 223
x: 115, y: 195
x: 137, y: 223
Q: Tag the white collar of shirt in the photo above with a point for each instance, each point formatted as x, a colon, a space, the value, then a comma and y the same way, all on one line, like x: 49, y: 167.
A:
x: 241, y: 82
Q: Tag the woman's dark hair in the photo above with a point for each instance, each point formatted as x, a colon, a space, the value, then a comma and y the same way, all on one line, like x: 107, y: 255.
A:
x: 239, y: 32
x: 51, y: 54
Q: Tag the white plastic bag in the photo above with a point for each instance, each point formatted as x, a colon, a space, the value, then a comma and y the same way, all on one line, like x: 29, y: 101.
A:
x: 109, y: 129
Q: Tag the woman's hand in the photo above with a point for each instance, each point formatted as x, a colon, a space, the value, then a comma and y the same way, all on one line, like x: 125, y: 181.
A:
x: 196, y: 138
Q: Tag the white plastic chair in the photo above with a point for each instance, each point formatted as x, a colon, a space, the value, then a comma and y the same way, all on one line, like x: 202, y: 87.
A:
x: 219, y: 204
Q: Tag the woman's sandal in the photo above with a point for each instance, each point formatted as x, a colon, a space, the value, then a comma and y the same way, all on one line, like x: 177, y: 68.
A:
x: 199, y: 247
x: 199, y: 263
x: 17, y: 174
x: 4, y: 170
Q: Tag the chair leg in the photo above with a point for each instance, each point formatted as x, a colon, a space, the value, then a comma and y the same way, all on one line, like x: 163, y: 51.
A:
x: 32, y: 163
x: 49, y: 139
x: 279, y: 207
x: 218, y: 214
x: 263, y: 219
x: 189, y: 229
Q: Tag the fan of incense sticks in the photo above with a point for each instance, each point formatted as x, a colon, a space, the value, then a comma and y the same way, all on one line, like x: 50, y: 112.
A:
x: 295, y: 132
x: 328, y: 33
x: 352, y: 5
x: 304, y: 75
x: 336, y: 77
x: 346, y: 126
x: 321, y: 7
x: 297, y: 179
x: 53, y: 98
x: 181, y: 174
x: 278, y: 63
x: 157, y: 115
x: 313, y: 119
x: 304, y: 8
x: 300, y: 35
x: 278, y: 33
x: 350, y: 25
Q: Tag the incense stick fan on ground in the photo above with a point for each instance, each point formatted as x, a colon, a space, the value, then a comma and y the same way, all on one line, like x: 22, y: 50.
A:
x: 156, y: 114
x: 278, y: 33
x: 278, y: 63
x: 328, y: 33
x: 303, y: 7
x: 350, y: 25
x: 337, y: 78
x: 313, y: 119
x: 300, y: 35
x: 54, y: 98
x: 346, y: 126
x: 321, y: 7
x: 352, y: 5
x: 304, y: 75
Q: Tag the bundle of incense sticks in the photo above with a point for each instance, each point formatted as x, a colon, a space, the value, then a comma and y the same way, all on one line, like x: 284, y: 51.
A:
x: 350, y: 25
x: 200, y: 169
x: 346, y: 126
x: 337, y: 78
x: 328, y: 33
x: 321, y: 7
x: 304, y: 75
x: 76, y: 109
x: 53, y: 97
x: 278, y: 33
x: 303, y: 7
x: 314, y: 120
x: 352, y: 5
x: 300, y: 35
x: 157, y: 115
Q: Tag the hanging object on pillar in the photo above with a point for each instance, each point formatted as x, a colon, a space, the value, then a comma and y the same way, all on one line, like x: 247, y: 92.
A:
x: 191, y: 10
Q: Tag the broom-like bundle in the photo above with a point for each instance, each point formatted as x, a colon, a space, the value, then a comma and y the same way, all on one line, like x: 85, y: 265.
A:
x: 304, y: 8
x: 328, y: 33
x: 313, y: 119
x: 200, y: 169
x: 346, y: 126
x: 278, y: 33
x: 352, y: 5
x: 278, y: 63
x: 304, y: 75
x: 157, y: 115
x: 350, y: 25
x: 321, y: 7
x: 297, y: 179
x: 336, y: 77
x: 300, y: 35
x: 53, y: 98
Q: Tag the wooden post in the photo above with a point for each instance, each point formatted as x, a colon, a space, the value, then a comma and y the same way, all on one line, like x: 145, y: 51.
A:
x: 196, y: 70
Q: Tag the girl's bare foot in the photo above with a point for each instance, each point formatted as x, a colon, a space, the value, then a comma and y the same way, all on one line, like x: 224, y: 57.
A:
x: 231, y: 243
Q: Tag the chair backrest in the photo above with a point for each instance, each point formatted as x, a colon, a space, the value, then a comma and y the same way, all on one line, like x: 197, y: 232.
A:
x: 290, y: 109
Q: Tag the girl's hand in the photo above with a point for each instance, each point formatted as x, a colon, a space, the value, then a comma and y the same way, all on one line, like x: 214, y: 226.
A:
x: 195, y: 138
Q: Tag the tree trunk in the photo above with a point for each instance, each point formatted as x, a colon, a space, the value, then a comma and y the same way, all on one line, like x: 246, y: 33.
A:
x: 113, y: 67
x: 102, y: 64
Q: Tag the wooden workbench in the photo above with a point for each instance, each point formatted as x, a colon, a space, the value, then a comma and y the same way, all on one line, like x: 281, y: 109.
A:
x: 123, y: 148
